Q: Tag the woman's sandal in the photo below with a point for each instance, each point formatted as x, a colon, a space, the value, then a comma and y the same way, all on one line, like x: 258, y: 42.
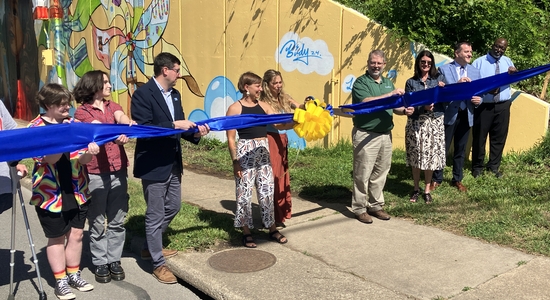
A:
x: 273, y: 236
x: 428, y: 198
x: 248, y: 240
x: 414, y: 196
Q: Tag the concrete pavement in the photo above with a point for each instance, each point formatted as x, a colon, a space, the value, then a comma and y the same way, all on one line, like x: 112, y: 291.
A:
x: 330, y: 255
x: 139, y: 284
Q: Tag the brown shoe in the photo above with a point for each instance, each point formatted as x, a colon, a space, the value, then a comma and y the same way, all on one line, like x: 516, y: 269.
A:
x: 380, y: 214
x: 164, y: 275
x: 434, y: 185
x: 146, y: 255
x: 460, y: 186
x: 364, y: 218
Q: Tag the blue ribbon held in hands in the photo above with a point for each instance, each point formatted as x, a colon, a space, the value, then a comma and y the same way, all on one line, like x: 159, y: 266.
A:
x: 45, y: 140
x: 451, y: 92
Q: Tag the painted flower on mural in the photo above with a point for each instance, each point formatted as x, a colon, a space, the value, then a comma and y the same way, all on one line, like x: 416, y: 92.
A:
x: 144, y: 29
x: 220, y: 94
x: 125, y: 48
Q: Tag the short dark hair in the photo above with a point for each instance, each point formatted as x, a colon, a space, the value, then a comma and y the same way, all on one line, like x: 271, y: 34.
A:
x: 89, y: 84
x: 417, y: 71
x: 164, y: 59
x: 53, y: 94
x: 458, y: 45
x: 248, y: 78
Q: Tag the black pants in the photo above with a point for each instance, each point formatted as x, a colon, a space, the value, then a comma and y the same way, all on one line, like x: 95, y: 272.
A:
x: 490, y: 119
x: 459, y: 131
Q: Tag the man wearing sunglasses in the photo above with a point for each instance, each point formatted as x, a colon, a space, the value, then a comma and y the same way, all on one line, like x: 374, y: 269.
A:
x: 492, y: 117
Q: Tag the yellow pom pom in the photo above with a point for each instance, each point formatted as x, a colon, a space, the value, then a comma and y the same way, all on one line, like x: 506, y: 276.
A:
x: 314, y: 122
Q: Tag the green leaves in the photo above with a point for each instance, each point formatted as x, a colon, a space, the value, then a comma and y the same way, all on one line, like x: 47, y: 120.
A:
x: 440, y: 24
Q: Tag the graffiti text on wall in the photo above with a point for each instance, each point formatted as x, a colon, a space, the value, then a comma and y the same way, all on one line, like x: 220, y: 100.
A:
x: 304, y: 54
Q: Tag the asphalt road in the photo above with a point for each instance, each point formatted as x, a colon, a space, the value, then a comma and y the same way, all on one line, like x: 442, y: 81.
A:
x: 139, y: 284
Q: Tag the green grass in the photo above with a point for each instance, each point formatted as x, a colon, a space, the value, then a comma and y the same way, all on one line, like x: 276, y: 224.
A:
x: 512, y: 211
x: 192, y: 228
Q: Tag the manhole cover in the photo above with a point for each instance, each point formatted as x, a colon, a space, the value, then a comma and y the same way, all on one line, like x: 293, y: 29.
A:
x: 241, y: 260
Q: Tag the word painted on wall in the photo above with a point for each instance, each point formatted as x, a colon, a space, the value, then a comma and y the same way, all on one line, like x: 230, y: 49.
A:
x: 304, y: 54
x: 348, y: 83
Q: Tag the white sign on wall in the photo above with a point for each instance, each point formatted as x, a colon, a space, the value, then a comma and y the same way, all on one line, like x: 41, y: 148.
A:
x: 304, y: 54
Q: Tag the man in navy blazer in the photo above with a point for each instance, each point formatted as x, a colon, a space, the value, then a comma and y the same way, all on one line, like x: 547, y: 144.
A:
x: 157, y: 161
x: 459, y: 115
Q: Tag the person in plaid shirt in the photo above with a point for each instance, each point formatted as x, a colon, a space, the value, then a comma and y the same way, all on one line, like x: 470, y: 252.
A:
x: 108, y: 173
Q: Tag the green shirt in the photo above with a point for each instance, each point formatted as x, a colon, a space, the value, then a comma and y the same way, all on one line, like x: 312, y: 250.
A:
x: 365, y: 86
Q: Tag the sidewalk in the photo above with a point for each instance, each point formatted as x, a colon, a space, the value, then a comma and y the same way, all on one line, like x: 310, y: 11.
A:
x: 330, y: 255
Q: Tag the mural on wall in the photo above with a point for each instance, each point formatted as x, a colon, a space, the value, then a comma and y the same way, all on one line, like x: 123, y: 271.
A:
x: 304, y: 54
x: 18, y: 59
x: 220, y: 94
x: 124, y: 48
x: 348, y: 83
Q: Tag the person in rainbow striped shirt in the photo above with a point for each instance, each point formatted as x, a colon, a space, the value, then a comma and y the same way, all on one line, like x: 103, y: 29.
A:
x: 60, y: 193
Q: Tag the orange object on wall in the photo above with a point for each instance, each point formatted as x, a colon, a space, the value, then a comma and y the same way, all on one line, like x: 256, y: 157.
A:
x: 22, y: 110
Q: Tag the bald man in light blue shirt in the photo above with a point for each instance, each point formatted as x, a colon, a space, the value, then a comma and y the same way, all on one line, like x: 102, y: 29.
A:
x: 492, y: 117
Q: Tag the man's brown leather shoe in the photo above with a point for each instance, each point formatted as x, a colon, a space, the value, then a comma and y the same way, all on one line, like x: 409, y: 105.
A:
x: 146, y: 255
x: 364, y: 218
x: 380, y: 214
x: 164, y: 275
x: 460, y: 186
x: 434, y: 185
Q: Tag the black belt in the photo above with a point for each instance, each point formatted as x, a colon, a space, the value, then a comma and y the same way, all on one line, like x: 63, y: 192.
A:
x: 495, y: 103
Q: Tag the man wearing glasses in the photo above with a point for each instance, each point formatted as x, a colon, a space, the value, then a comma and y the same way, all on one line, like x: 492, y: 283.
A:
x: 158, y: 161
x: 459, y: 115
x: 372, y: 146
x: 492, y: 117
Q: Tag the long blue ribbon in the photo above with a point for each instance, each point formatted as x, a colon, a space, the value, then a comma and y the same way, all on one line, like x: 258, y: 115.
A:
x: 44, y: 140
x: 451, y: 92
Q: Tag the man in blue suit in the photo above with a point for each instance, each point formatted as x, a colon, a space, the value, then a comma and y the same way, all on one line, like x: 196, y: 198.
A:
x: 158, y: 161
x: 459, y: 115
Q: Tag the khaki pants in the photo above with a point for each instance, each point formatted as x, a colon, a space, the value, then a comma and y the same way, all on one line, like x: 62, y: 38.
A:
x: 372, y: 154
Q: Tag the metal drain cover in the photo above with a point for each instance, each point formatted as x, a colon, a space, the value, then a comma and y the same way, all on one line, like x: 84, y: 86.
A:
x: 241, y: 260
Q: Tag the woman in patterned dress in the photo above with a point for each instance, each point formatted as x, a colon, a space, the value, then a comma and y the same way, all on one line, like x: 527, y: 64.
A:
x: 425, y: 132
x: 251, y: 163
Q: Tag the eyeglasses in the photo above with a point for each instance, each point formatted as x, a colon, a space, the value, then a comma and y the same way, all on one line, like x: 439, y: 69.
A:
x: 376, y: 63
x: 499, y: 47
x: 426, y: 62
x: 175, y: 70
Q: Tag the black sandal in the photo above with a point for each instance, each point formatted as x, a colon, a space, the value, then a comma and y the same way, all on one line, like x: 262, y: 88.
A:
x: 428, y: 198
x: 414, y: 196
x: 247, y: 240
x: 272, y: 236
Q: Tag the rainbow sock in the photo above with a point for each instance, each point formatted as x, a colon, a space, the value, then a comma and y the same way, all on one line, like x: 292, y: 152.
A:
x: 59, y: 275
x: 73, y: 270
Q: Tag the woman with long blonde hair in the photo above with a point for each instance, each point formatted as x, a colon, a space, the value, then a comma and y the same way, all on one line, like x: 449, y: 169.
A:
x: 281, y: 102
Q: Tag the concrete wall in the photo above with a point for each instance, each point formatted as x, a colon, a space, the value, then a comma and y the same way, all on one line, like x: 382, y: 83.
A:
x: 318, y: 45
